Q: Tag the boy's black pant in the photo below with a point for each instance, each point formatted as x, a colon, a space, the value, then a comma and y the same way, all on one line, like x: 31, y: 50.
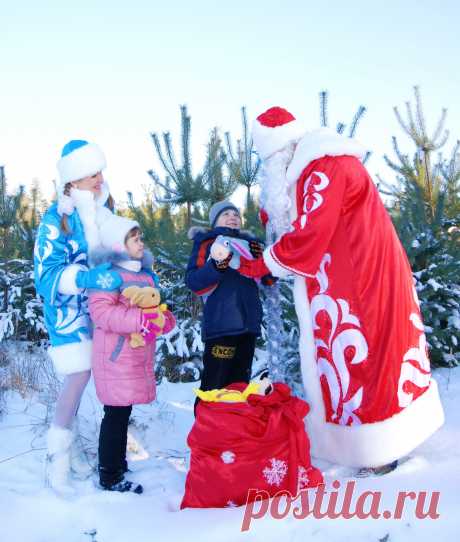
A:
x: 113, y: 438
x: 227, y: 360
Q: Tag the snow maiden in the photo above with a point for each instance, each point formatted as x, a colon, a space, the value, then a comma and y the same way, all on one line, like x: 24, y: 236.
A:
x: 68, y: 230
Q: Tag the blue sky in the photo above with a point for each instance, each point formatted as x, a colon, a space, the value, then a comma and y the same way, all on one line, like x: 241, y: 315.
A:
x: 113, y: 71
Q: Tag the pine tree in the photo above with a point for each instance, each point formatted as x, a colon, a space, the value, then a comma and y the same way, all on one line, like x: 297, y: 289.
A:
x: 181, y: 186
x: 424, y: 207
x: 10, y: 205
x: 220, y: 183
x: 244, y: 168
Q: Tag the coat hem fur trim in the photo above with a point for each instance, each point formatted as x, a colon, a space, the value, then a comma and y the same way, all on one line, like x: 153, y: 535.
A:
x: 71, y: 357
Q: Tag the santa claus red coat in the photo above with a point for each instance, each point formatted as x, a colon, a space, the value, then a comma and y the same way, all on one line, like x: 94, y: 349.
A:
x: 362, y: 346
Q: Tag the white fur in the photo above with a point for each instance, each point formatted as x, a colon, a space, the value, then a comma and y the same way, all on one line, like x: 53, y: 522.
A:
x: 80, y: 163
x: 68, y: 281
x: 59, y: 440
x: 276, y: 269
x: 270, y: 140
x: 72, y: 357
x: 319, y: 143
x: 65, y: 204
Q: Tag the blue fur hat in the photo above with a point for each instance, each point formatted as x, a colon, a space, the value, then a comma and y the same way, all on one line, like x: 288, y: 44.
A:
x: 80, y: 159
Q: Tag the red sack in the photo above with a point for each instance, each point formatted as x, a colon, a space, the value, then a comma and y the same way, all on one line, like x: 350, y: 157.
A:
x: 258, y: 444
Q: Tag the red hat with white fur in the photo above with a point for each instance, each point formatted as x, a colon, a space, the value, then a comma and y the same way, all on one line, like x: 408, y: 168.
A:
x: 275, y: 129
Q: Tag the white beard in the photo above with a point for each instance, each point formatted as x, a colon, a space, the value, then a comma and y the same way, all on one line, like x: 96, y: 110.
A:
x: 274, y: 194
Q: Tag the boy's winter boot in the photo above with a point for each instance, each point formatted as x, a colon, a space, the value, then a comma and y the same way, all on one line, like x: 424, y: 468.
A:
x: 111, y: 481
x: 59, y: 440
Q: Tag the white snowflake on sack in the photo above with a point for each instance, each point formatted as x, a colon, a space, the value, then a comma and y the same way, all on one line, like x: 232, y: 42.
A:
x: 302, y: 478
x: 227, y: 456
x: 104, y: 281
x: 275, y: 474
x: 231, y: 504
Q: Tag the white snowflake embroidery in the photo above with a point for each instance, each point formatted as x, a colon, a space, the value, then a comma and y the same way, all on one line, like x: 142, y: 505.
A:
x: 104, y: 281
x: 275, y: 474
x: 227, y: 456
x: 231, y: 504
x: 302, y: 478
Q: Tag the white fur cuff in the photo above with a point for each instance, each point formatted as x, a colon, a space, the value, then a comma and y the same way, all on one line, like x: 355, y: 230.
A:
x: 275, y: 268
x: 68, y: 280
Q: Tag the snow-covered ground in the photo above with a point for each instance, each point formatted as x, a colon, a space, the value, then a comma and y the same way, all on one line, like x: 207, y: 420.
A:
x: 159, y: 459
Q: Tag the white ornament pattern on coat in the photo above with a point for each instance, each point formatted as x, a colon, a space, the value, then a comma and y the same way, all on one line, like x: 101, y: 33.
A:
x: 228, y: 456
x: 416, y: 365
x: 276, y: 473
x: 335, y: 368
x: 312, y: 199
x: 44, y: 250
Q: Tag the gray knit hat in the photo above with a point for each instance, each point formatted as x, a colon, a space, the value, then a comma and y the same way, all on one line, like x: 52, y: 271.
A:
x: 219, y: 208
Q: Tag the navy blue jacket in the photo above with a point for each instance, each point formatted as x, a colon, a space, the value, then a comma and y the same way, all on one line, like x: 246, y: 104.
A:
x: 231, y: 302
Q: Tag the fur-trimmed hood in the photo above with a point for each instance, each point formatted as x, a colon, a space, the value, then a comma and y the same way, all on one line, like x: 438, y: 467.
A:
x: 203, y: 231
x: 102, y: 255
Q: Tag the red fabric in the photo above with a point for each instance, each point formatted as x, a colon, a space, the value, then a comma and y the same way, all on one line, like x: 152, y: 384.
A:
x: 238, y: 446
x: 263, y: 217
x: 253, y: 269
x: 370, y: 345
x: 275, y: 116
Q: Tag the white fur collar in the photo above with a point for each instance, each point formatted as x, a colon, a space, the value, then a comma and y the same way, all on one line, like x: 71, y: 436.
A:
x: 91, y: 210
x: 319, y: 143
x: 67, y: 204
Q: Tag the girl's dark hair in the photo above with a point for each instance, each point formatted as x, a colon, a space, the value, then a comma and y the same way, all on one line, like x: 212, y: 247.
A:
x: 133, y: 232
x: 65, y: 219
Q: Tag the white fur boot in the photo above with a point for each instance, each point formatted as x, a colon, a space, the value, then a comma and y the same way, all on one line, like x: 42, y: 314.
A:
x: 59, y: 440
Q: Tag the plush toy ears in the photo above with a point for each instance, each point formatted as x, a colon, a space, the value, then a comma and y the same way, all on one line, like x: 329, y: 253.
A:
x: 133, y: 293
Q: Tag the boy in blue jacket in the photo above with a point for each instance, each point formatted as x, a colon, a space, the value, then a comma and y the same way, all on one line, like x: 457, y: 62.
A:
x: 232, y: 311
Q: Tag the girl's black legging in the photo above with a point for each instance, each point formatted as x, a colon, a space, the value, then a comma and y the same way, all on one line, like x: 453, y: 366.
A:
x: 113, y: 438
x: 227, y: 360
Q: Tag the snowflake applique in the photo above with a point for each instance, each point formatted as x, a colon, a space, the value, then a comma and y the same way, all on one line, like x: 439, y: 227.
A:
x: 302, y: 478
x: 104, y: 281
x: 231, y: 504
x: 276, y: 473
x: 227, y: 456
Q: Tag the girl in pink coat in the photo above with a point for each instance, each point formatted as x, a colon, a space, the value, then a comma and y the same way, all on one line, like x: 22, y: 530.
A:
x: 123, y: 374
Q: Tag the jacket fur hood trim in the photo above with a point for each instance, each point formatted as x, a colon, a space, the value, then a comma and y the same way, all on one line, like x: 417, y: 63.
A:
x: 103, y: 255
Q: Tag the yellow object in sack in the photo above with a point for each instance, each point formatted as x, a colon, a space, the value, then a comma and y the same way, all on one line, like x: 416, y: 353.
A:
x: 228, y: 396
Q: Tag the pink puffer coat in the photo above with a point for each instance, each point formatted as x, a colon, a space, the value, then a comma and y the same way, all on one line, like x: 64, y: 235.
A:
x: 123, y: 375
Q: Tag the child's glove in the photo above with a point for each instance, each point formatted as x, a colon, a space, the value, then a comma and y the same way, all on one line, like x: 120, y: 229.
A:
x: 253, y: 269
x: 256, y: 249
x: 269, y: 280
x: 99, y: 278
x: 223, y: 264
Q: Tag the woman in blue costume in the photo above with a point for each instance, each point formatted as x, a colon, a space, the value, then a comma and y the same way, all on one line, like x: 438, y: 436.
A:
x: 67, y: 233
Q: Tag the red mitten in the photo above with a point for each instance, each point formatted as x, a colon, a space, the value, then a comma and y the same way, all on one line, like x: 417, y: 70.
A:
x: 263, y: 217
x: 253, y: 269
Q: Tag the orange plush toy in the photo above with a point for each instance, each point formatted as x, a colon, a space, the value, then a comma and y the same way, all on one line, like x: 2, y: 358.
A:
x: 148, y: 299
